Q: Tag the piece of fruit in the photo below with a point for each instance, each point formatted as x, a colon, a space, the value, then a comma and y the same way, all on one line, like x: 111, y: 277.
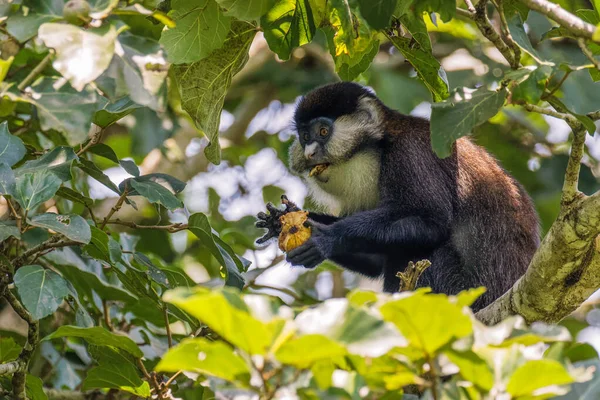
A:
x: 293, y: 232
x: 77, y: 12
x: 318, y: 169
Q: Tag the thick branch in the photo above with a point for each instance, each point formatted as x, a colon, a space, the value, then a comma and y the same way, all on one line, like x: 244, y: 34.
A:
x: 52, y: 243
x: 11, y: 367
x: 570, y: 187
x: 564, y: 272
x: 564, y: 18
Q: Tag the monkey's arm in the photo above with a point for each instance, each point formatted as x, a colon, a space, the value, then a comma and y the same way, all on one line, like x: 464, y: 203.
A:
x: 324, y: 219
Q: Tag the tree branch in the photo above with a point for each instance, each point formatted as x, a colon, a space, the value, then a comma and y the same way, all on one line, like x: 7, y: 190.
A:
x: 564, y: 18
x: 12, y: 367
x: 570, y: 186
x: 52, y: 243
x: 583, y: 46
x: 35, y: 72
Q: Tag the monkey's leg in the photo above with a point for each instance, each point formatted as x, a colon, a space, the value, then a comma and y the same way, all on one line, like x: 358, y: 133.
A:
x: 370, y: 265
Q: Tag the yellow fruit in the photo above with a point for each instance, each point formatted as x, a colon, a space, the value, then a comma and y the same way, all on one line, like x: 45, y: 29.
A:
x: 318, y: 169
x: 293, y: 232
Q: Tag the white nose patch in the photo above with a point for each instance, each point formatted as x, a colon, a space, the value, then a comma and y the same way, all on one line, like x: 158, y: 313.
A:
x: 310, y: 150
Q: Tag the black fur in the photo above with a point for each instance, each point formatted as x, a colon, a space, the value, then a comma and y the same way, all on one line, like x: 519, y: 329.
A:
x: 464, y: 213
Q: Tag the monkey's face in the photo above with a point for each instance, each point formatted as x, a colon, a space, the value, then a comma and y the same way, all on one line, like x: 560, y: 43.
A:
x: 313, y: 137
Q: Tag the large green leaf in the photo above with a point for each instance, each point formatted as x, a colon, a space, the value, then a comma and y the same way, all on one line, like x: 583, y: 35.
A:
x: 58, y: 161
x: 203, y: 84
x: 99, y: 337
x: 92, y: 170
x: 34, y: 387
x: 199, y: 225
x: 64, y: 109
x: 247, y: 10
x: 427, y: 67
x: 220, y: 311
x: 9, y: 349
x: 473, y: 368
x: 307, y: 350
x: 428, y: 321
x: 81, y: 54
x: 378, y: 13
x: 12, y: 148
x: 32, y: 189
x: 72, y: 226
x: 288, y: 24
x: 205, y: 357
x: 456, y: 117
x: 103, y: 247
x: 7, y: 229
x: 537, y: 374
x: 41, y: 290
x: 23, y: 26
x: 200, y: 28
x: 115, y: 371
x: 109, y: 112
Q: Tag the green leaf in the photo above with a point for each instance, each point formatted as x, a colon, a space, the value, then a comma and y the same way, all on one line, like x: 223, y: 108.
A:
x: 517, y: 31
x: 130, y: 167
x: 9, y: 349
x: 200, y: 29
x: 115, y: 371
x: 427, y: 67
x: 224, y: 317
x: 58, y: 161
x: 446, y: 8
x: 472, y: 368
x: 32, y: 189
x: 155, y: 193
x: 65, y: 110
x: 149, y: 120
x: 23, y: 27
x: 307, y: 350
x: 7, y: 181
x: 5, y: 67
x: 92, y: 170
x: 99, y: 337
x: 12, y: 148
x: 104, y: 150
x: 208, y: 358
x: 81, y: 54
x: 456, y: 117
x: 155, y: 273
x: 34, y: 388
x: 72, y: 226
x: 247, y: 10
x: 8, y: 229
x: 169, y: 181
x: 537, y: 374
x: 199, y: 225
x: 415, y: 24
x: 109, y: 112
x: 41, y: 290
x: 468, y: 297
x: 532, y: 84
x: 203, y: 84
x: 288, y: 24
x: 428, y: 321
x: 101, y: 247
x: 76, y: 197
x: 378, y: 13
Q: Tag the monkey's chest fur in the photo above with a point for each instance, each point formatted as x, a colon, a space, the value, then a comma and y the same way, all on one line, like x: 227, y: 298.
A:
x: 348, y: 187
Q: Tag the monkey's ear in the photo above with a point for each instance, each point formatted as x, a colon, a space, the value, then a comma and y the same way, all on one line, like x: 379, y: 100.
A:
x: 370, y: 106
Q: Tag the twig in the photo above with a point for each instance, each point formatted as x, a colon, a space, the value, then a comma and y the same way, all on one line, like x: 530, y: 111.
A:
x: 594, y: 115
x: 96, y: 136
x: 52, y: 243
x: 17, y: 216
x: 570, y: 187
x: 583, y: 46
x: 470, y: 6
x: 506, y: 35
x: 169, y: 336
x: 106, y: 313
x: 35, y: 72
x: 115, y: 208
x: 169, y: 228
x: 410, y: 277
x: 19, y: 378
x: 559, y: 84
x: 576, y: 25
x: 550, y: 112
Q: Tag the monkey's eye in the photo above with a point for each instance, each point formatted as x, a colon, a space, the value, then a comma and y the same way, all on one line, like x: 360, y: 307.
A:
x: 306, y: 137
x: 323, y: 131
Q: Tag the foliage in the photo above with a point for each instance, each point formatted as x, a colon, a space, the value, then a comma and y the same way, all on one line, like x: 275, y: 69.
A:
x: 130, y: 265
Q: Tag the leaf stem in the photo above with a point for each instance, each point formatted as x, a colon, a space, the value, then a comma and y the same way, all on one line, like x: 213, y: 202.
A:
x: 115, y: 208
x: 35, y: 72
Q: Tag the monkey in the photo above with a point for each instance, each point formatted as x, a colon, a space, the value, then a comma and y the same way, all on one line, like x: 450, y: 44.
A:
x: 385, y: 198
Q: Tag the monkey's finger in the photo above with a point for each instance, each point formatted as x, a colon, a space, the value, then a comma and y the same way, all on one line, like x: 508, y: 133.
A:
x: 262, y: 215
x: 269, y: 235
x: 272, y: 209
x: 261, y: 224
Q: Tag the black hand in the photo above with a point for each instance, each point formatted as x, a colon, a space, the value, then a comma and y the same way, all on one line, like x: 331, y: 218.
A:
x: 315, y: 250
x: 271, y: 222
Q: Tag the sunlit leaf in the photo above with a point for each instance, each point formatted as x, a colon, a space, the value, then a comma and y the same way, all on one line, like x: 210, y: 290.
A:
x: 473, y: 368
x: 536, y: 374
x: 58, y: 161
x: 304, y: 351
x: 81, y: 54
x: 247, y: 10
x: 9, y: 349
x: 214, y: 309
x: 41, y: 290
x: 200, y: 28
x: 288, y: 24
x: 205, y: 357
x: 378, y: 13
